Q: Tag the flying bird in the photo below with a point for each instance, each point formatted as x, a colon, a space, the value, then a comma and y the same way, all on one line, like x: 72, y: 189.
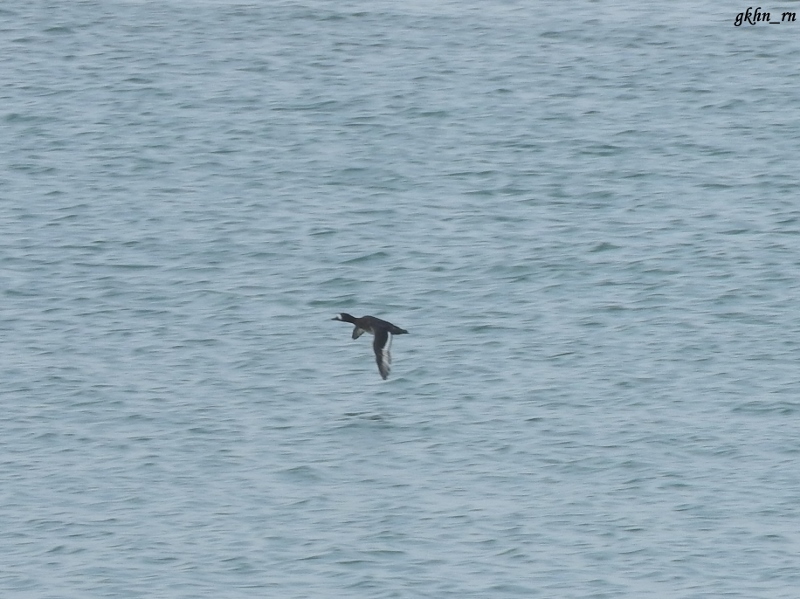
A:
x: 382, y: 330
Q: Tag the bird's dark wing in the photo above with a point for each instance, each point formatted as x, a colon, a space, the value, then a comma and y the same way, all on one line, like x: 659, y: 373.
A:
x: 357, y: 333
x: 382, y: 345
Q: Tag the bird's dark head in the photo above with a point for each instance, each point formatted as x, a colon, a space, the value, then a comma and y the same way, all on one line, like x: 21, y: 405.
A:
x: 343, y: 317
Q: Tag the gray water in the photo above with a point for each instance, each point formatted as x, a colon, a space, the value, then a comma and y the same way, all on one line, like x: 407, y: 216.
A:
x: 586, y: 215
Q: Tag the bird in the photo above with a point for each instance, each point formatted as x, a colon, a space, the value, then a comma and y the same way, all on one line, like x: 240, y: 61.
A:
x: 382, y: 330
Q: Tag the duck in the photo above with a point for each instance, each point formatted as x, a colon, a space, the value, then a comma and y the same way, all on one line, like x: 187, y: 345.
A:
x: 382, y: 330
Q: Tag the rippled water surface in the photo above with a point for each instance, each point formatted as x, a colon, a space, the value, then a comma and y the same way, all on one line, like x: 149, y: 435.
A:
x: 586, y: 216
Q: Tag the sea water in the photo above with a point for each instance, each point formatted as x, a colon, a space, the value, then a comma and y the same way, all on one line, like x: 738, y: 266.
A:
x: 585, y: 214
